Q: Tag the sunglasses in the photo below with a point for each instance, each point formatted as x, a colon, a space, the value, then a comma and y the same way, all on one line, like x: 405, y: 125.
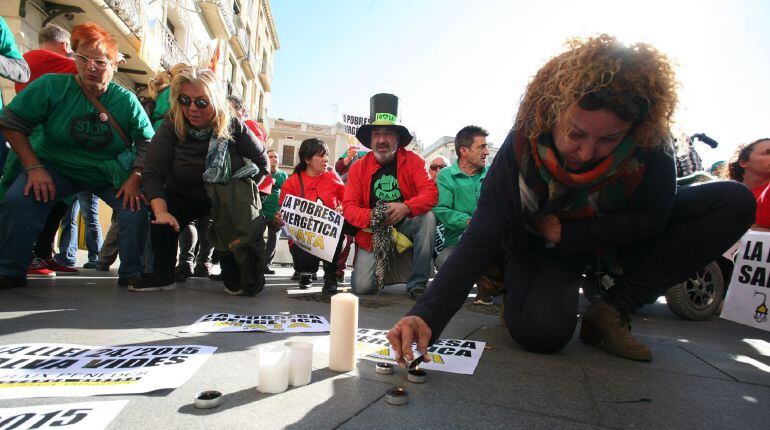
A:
x: 628, y: 107
x: 98, y: 62
x: 437, y: 166
x: 199, y: 103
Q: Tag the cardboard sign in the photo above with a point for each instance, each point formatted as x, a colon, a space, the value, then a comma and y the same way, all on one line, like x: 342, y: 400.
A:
x: 351, y: 123
x: 747, y: 297
x: 71, y: 416
x: 447, y: 355
x: 312, y: 226
x: 59, y: 370
x: 298, y: 323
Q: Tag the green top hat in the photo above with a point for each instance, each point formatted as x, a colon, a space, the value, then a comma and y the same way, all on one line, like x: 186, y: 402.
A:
x: 383, y: 112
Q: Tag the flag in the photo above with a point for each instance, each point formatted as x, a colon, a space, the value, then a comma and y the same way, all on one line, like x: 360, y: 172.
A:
x: 215, y: 58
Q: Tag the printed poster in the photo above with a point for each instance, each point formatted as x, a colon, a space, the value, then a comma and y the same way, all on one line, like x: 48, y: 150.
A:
x: 447, y: 355
x: 747, y: 297
x: 312, y: 226
x: 62, y: 370
x: 298, y: 323
x: 70, y: 416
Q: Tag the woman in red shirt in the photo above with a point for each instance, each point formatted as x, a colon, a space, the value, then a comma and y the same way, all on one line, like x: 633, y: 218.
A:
x: 751, y: 165
x: 312, y: 180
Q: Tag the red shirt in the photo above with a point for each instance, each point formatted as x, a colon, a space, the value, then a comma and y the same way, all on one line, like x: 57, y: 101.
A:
x: 42, y: 62
x: 763, y: 205
x: 256, y: 129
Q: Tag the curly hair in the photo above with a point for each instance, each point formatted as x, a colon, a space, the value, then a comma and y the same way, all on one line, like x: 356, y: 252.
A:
x: 742, y: 153
x: 598, y: 63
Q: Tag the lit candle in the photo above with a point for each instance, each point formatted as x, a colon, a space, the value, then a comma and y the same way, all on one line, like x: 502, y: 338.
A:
x: 301, y: 363
x: 273, y: 369
x: 344, y: 324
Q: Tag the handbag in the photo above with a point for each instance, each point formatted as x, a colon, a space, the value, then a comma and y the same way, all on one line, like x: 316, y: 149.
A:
x: 127, y: 156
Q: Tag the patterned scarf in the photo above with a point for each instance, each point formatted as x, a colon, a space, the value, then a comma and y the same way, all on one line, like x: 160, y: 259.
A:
x: 547, y: 187
x: 218, y: 169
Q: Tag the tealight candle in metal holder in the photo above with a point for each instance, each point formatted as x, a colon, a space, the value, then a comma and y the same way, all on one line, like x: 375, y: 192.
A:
x: 397, y: 396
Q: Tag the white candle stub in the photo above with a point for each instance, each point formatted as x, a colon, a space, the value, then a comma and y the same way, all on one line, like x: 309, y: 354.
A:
x: 300, y: 363
x: 273, y: 369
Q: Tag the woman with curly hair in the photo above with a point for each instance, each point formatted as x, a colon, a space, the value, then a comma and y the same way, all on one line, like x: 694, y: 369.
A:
x: 585, y: 176
x: 751, y: 165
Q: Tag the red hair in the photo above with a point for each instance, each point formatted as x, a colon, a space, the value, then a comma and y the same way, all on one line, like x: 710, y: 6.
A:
x: 90, y: 34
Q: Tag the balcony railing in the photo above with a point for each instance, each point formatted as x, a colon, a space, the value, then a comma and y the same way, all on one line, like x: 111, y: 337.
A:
x: 128, y: 12
x: 172, y: 53
x: 225, y: 11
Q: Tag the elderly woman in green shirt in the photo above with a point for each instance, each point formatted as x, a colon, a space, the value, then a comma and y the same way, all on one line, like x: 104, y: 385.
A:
x: 65, y: 144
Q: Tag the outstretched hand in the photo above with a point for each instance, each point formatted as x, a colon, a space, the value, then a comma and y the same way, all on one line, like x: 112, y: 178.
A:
x: 406, y: 331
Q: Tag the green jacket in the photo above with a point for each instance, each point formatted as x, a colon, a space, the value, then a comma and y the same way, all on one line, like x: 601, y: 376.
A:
x: 270, y: 205
x: 458, y: 195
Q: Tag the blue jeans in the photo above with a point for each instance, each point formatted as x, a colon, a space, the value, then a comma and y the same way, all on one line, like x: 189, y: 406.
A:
x: 22, y: 218
x: 88, y: 204
x: 421, y: 231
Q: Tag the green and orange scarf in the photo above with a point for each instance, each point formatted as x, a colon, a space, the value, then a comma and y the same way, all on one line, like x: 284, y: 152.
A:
x: 547, y: 187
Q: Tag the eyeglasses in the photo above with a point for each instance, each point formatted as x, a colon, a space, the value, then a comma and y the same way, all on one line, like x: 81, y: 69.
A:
x: 98, y: 62
x: 628, y: 107
x: 437, y: 166
x: 199, y: 103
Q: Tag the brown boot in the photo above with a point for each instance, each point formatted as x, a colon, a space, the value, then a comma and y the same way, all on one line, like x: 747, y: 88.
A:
x: 609, y: 329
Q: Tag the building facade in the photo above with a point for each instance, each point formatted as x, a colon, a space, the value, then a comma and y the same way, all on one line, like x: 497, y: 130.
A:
x: 446, y: 146
x: 237, y: 36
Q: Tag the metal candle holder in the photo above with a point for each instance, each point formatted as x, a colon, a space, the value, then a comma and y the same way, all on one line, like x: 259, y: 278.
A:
x: 397, y: 396
x: 208, y: 399
x: 384, y: 368
x: 416, y: 376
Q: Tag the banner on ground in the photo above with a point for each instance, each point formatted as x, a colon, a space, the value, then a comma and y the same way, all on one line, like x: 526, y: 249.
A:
x: 298, y: 323
x: 747, y: 296
x: 60, y: 370
x: 351, y: 123
x: 71, y: 416
x: 447, y: 355
x: 312, y: 226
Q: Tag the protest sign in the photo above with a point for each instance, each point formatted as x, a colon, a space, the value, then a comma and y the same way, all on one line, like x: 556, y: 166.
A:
x: 298, y: 323
x: 447, y: 355
x: 351, y: 123
x: 71, y: 416
x: 57, y: 369
x: 312, y: 226
x: 746, y: 300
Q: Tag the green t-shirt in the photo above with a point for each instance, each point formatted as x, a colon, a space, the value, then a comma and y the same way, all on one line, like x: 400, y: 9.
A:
x: 7, y: 47
x: 162, y: 106
x: 270, y: 205
x: 71, y: 137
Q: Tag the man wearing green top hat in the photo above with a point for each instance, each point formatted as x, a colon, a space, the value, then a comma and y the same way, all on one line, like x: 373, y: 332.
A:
x: 396, y: 176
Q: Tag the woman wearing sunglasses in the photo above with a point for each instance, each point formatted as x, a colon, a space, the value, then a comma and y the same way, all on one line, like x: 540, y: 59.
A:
x: 74, y: 133
x: 585, y: 177
x: 198, y: 148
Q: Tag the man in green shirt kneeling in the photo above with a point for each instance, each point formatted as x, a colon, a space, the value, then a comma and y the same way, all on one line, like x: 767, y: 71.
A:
x: 459, y: 188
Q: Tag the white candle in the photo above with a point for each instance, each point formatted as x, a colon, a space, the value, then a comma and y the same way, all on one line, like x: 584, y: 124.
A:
x: 301, y: 363
x: 273, y: 369
x: 344, y: 325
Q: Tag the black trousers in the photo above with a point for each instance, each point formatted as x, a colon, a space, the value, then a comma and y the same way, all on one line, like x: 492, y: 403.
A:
x: 165, y: 240
x: 306, y: 263
x: 541, y: 302
x: 44, y: 243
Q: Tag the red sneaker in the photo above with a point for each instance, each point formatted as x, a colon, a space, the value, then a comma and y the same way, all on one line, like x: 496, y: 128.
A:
x: 54, y: 265
x: 38, y: 269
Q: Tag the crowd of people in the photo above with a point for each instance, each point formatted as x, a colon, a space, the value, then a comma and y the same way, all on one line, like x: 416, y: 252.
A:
x: 586, y: 176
